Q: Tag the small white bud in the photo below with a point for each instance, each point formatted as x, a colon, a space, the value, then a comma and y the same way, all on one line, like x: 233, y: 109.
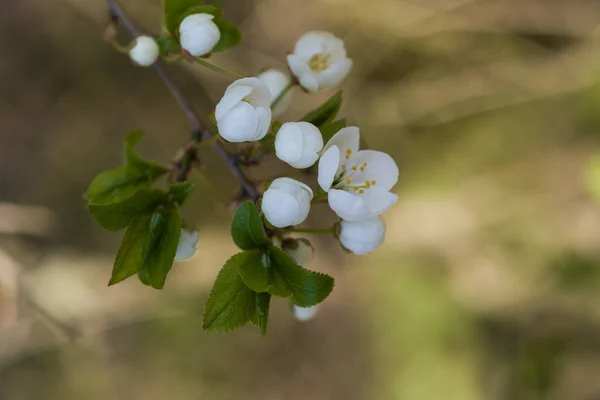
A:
x: 298, y: 144
x: 319, y: 60
x: 198, y: 34
x: 145, y: 51
x: 286, y: 202
x: 244, y: 113
x: 277, y: 82
x: 186, y: 248
x: 362, y: 237
x: 305, y: 313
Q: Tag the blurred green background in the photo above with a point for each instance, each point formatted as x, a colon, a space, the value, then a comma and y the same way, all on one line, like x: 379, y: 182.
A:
x: 486, y: 287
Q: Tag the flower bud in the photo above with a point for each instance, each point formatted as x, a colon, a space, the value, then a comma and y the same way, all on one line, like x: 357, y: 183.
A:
x: 277, y: 82
x: 244, y: 113
x: 300, y: 250
x: 286, y: 202
x: 198, y: 34
x: 145, y: 51
x: 362, y: 237
x: 305, y: 313
x: 298, y: 144
x: 319, y: 60
x: 186, y: 248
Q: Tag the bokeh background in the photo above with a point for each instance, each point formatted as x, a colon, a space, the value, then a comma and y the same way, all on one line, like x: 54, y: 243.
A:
x: 486, y: 288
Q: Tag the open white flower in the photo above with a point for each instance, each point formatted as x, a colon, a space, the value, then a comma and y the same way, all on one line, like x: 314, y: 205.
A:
x: 286, y: 202
x: 145, y: 51
x: 298, y: 144
x: 319, y: 60
x: 277, y: 82
x: 362, y: 237
x: 186, y: 248
x: 198, y: 34
x: 358, y: 182
x: 244, y: 113
x: 305, y: 313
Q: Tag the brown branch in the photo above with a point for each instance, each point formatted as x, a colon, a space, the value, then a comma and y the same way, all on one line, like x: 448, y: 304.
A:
x: 199, y: 133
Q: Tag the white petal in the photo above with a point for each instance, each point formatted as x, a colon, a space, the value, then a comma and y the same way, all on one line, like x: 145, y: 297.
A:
x: 328, y: 166
x: 198, y: 34
x: 314, y: 42
x: 313, y: 139
x: 239, y: 124
x: 186, y: 248
x: 309, y: 81
x: 305, y: 313
x: 380, y: 168
x: 145, y: 51
x: 281, y: 209
x: 302, y: 71
x: 348, y: 206
x: 345, y: 139
x: 289, y: 143
x: 232, y: 96
x: 260, y: 95
x: 291, y: 185
x: 264, y: 122
x: 276, y: 81
x: 336, y: 73
x: 378, y: 200
x: 362, y: 237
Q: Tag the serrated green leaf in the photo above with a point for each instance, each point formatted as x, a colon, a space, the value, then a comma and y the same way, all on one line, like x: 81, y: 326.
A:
x: 307, y: 288
x: 230, y: 299
x: 231, y: 36
x: 117, y: 184
x: 247, y: 228
x: 253, y: 268
x: 182, y: 191
x: 116, y: 216
x: 259, y: 310
x: 331, y: 128
x: 149, y: 247
x: 134, y: 159
x: 176, y: 10
x: 326, y: 112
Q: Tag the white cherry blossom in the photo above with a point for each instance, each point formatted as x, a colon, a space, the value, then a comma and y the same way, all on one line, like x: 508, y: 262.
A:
x: 286, y: 202
x: 186, y: 248
x: 319, y: 60
x: 244, y: 113
x: 198, y: 34
x: 358, y: 182
x: 298, y: 144
x: 145, y: 51
x: 305, y: 313
x: 277, y: 82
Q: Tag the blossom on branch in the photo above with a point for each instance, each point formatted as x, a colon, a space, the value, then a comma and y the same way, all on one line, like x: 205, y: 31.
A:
x: 277, y: 82
x: 186, y: 248
x: 298, y: 144
x: 286, y: 202
x: 244, y: 113
x: 198, y: 34
x: 362, y: 237
x: 319, y: 60
x: 358, y: 182
x: 144, y: 51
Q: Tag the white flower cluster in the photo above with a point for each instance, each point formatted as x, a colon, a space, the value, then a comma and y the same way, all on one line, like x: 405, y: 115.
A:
x: 357, y: 182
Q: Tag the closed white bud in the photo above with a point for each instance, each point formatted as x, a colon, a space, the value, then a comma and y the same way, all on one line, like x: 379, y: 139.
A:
x: 305, y: 313
x: 277, y: 82
x: 362, y: 237
x: 300, y: 250
x: 244, y: 113
x: 319, y: 60
x: 298, y: 144
x: 286, y: 202
x: 186, y: 248
x: 145, y: 51
x: 198, y: 34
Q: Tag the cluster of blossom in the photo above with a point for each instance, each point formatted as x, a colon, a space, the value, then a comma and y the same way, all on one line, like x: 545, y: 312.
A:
x: 357, y: 182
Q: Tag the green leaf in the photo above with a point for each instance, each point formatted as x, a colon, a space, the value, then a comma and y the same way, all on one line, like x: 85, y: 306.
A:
x: 176, y: 10
x: 134, y: 159
x: 230, y: 36
x: 331, y: 128
x: 326, y: 112
x: 116, y: 216
x: 182, y: 191
x: 117, y: 184
x: 253, y: 269
x: 259, y: 310
x: 230, y: 300
x: 247, y: 228
x: 148, y: 247
x: 167, y: 44
x: 307, y: 288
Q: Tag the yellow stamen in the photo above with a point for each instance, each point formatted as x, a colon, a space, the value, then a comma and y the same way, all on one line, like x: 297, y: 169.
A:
x: 355, y: 189
x: 343, y: 166
x: 347, y: 180
x: 367, y: 184
x: 354, y: 168
x: 361, y: 191
x: 373, y: 182
x: 319, y: 62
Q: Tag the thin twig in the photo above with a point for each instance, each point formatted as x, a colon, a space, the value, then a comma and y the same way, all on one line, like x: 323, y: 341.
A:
x: 199, y: 133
